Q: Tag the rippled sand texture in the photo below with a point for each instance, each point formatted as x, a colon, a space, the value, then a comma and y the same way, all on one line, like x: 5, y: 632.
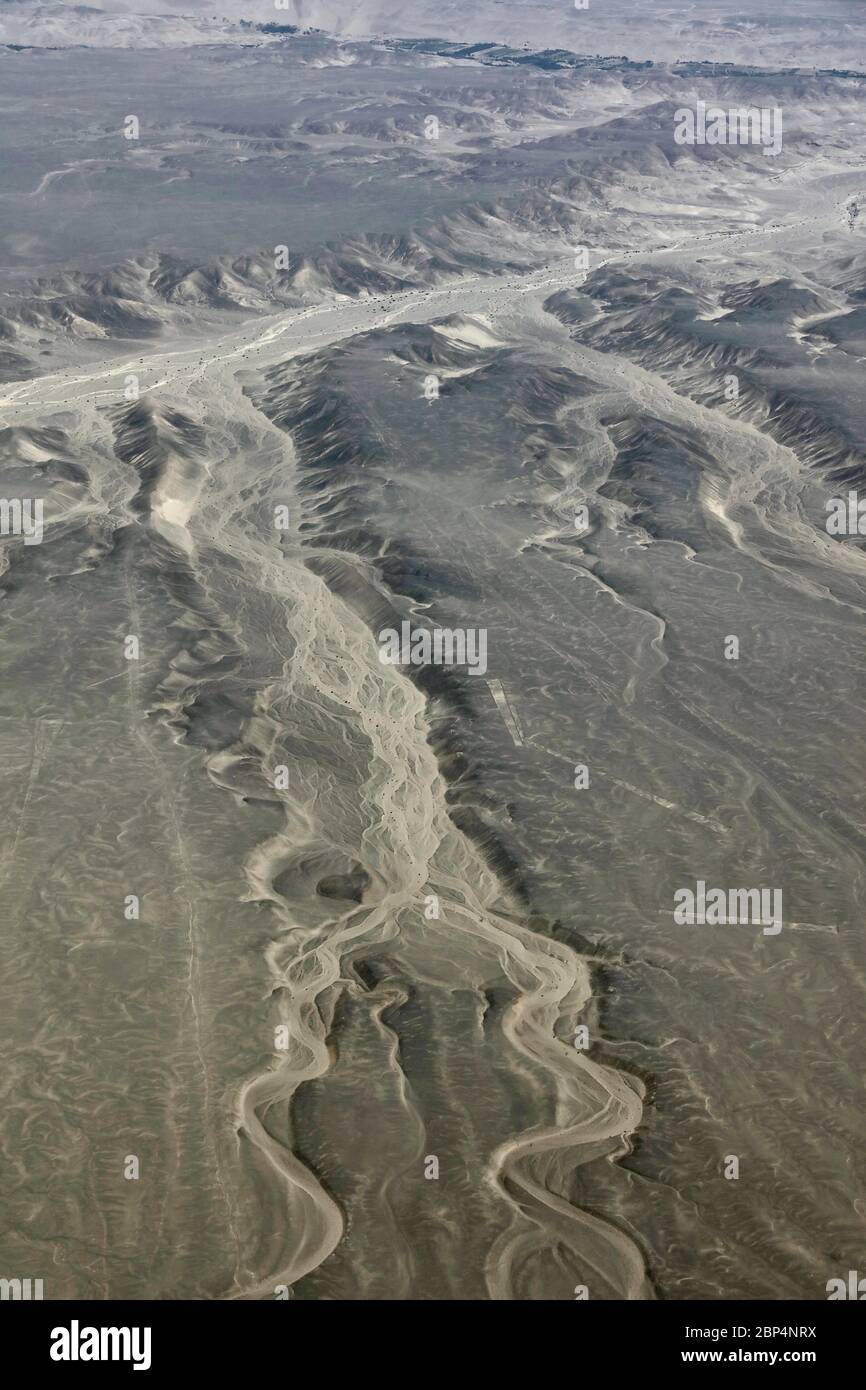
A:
x: 310, y: 937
